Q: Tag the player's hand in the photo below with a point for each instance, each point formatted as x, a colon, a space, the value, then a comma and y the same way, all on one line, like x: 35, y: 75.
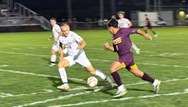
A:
x: 106, y: 45
x: 147, y: 36
x: 50, y: 37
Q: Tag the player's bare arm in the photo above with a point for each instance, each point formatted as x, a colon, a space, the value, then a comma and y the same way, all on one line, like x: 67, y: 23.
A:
x: 82, y: 44
x: 50, y: 37
x: 107, y: 46
x: 130, y: 24
x: 146, y: 35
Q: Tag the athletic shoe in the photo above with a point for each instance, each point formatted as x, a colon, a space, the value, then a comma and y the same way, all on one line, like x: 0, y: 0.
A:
x: 120, y: 93
x: 113, y: 85
x: 64, y: 87
x: 155, y: 35
x: 157, y: 86
x: 137, y: 51
x: 52, y: 64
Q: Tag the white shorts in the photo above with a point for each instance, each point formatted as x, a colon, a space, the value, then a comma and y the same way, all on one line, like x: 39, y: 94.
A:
x: 55, y: 47
x: 82, y: 60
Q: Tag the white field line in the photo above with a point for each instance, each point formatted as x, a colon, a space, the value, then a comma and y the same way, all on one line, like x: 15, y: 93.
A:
x: 157, y: 53
x: 3, y: 95
x: 39, y: 75
x: 27, y: 54
x: 121, y: 99
x: 45, y: 91
x: 3, y: 65
x: 90, y: 102
x: 100, y: 60
x: 153, y: 64
x: 53, y: 99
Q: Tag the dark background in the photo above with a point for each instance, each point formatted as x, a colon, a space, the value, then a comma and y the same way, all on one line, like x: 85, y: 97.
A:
x: 82, y: 9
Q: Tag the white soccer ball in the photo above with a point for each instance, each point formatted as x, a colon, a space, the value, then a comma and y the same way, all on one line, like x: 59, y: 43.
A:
x: 92, y: 81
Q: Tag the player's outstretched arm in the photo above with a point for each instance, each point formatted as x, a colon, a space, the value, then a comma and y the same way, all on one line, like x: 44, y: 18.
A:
x: 107, y: 46
x: 50, y: 37
x: 82, y: 44
x: 147, y: 36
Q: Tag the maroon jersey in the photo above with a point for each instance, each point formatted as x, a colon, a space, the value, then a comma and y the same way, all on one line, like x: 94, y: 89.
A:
x: 122, y: 42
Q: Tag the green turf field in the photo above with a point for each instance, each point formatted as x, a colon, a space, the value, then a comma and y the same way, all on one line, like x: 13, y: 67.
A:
x: 27, y: 80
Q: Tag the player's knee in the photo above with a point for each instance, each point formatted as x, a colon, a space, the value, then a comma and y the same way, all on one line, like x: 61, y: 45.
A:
x: 61, y: 64
x: 53, y: 52
x: 92, y: 72
x: 112, y: 70
x: 138, y: 73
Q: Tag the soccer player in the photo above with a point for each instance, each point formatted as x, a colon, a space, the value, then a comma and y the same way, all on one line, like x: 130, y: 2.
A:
x: 73, y: 44
x: 56, y: 31
x: 148, y: 26
x: 126, y: 23
x: 122, y: 45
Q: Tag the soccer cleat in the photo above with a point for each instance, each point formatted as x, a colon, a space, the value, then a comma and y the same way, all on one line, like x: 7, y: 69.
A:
x: 52, y: 64
x: 137, y: 51
x: 157, y: 86
x: 64, y: 87
x: 120, y: 93
x: 155, y: 35
x: 113, y: 85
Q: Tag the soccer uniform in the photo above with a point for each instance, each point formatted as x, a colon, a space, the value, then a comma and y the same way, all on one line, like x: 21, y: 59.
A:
x: 122, y: 45
x: 55, y: 31
x: 123, y: 23
x: 70, y: 44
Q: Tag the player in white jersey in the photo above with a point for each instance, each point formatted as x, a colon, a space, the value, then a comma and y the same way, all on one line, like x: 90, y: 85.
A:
x: 126, y: 23
x: 56, y: 31
x: 72, y: 44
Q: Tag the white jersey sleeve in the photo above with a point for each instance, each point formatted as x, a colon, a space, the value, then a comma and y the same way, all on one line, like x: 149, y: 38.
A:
x: 123, y: 23
x: 77, y: 37
x: 55, y: 30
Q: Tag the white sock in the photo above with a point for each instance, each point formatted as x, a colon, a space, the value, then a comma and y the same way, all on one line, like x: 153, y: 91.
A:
x: 121, y: 88
x: 101, y: 74
x: 155, y: 82
x: 53, y: 58
x: 134, y: 47
x: 63, y: 75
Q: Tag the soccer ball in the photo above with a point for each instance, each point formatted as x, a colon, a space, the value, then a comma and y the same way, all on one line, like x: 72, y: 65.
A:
x: 92, y: 81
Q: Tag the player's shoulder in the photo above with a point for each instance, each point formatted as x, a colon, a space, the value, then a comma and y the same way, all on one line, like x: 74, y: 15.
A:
x: 56, y: 26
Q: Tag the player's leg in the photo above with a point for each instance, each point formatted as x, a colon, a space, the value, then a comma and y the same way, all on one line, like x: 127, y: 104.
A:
x: 100, y: 74
x: 61, y: 67
x: 154, y: 33
x: 137, y: 72
x: 145, y: 29
x: 84, y: 61
x: 115, y: 66
x: 53, y: 55
x: 137, y: 50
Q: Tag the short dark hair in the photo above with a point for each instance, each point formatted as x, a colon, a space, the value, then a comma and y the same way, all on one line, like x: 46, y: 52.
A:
x: 112, y: 23
x: 53, y: 18
x: 121, y: 12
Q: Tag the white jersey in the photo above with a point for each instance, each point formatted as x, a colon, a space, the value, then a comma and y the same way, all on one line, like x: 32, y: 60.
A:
x: 71, y: 43
x: 55, y: 31
x: 123, y: 23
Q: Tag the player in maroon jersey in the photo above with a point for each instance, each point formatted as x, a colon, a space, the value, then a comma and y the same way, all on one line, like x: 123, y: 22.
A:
x: 122, y: 45
x: 149, y: 26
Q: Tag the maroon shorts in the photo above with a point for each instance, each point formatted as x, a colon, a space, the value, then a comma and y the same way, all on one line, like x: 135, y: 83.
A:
x: 127, y: 61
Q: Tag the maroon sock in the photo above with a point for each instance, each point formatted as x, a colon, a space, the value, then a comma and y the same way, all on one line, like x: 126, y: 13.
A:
x: 116, y: 78
x: 146, y: 77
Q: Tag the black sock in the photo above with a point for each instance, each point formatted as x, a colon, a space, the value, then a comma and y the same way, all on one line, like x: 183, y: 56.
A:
x: 116, y: 78
x: 146, y: 77
x: 154, y: 32
x: 145, y: 31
